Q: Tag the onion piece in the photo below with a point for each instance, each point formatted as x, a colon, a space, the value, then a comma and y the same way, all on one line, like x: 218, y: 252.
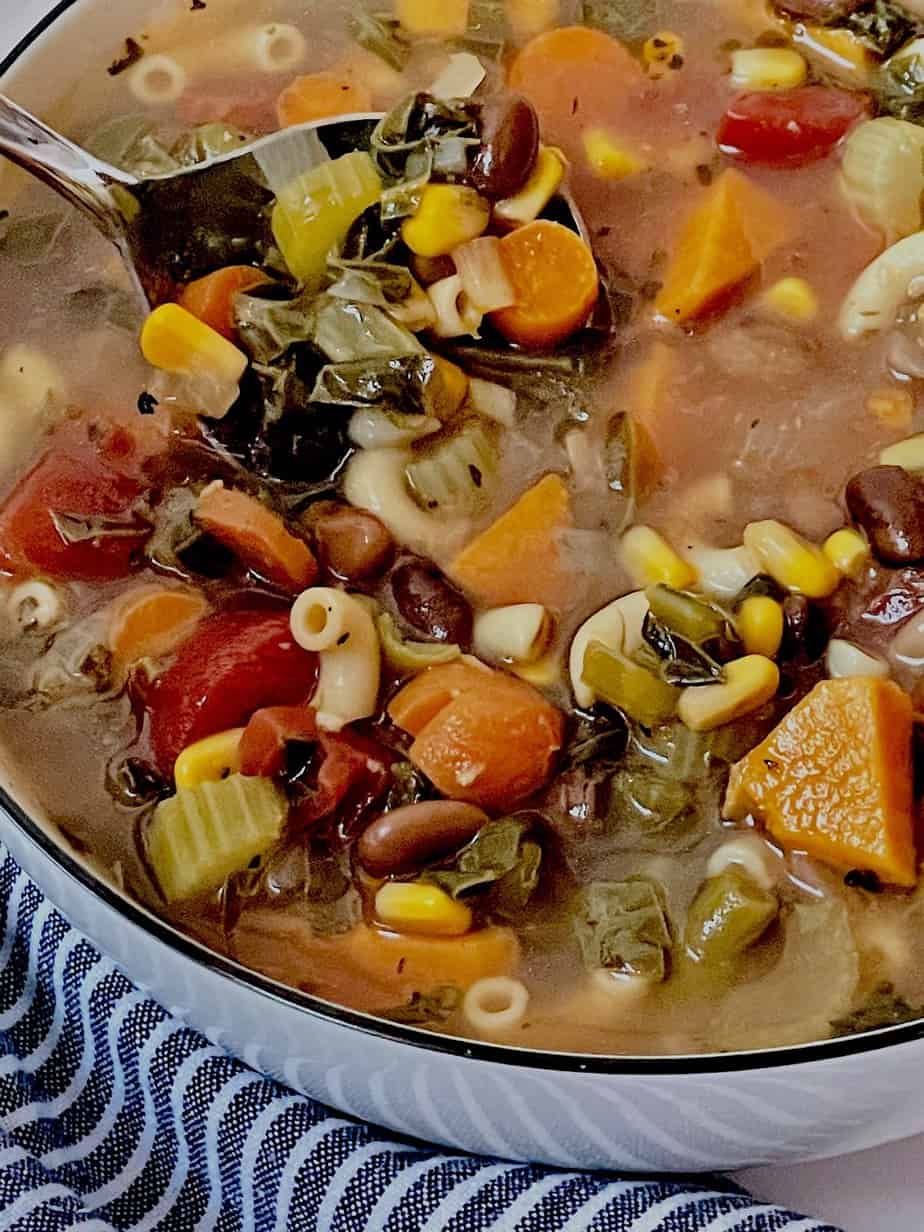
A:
x: 481, y: 271
x: 494, y: 401
x: 460, y: 78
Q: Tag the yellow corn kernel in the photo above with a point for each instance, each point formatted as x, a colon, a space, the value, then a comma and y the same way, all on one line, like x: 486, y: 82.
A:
x: 433, y: 18
x: 767, y: 68
x: 545, y: 673
x: 659, y: 52
x: 837, y: 49
x: 790, y: 560
x: 176, y: 341
x: 542, y: 185
x: 452, y: 387
x: 793, y: 298
x: 847, y: 551
x: 416, y: 907
x: 448, y: 215
x: 759, y: 621
x: 527, y: 18
x: 608, y: 158
x: 892, y: 407
x: 209, y: 760
x: 908, y: 454
x: 650, y: 559
x: 749, y: 683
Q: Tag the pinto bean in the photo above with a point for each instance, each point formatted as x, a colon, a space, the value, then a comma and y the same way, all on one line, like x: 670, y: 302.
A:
x: 352, y: 543
x: 888, y: 502
x: 408, y: 838
x: 509, y: 145
x: 430, y: 604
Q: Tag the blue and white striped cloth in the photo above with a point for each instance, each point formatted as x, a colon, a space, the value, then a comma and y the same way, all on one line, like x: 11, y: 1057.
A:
x: 115, y: 1115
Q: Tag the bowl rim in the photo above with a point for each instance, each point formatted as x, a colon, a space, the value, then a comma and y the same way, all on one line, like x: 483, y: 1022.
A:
x: 694, y: 1064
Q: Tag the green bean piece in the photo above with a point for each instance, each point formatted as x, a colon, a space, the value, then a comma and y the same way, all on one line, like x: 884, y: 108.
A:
x: 684, y: 614
x: 628, y: 686
x: 729, y: 913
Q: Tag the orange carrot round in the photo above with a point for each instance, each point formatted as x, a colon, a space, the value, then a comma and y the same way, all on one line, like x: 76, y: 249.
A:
x: 256, y: 535
x: 555, y: 281
x: 211, y: 298
x: 573, y: 69
x: 320, y: 95
x: 149, y: 621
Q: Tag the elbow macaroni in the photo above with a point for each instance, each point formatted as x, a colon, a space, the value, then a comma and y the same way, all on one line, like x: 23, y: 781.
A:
x: 341, y: 631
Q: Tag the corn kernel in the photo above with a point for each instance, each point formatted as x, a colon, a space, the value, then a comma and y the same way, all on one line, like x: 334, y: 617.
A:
x: 759, y: 621
x: 209, y: 760
x: 452, y: 387
x: 767, y: 68
x: 650, y: 559
x: 847, y: 551
x: 790, y: 560
x: 892, y: 407
x: 838, y: 49
x: 749, y: 683
x: 662, y: 52
x: 608, y: 158
x: 448, y: 215
x: 542, y: 185
x: 433, y: 18
x: 174, y: 340
x: 793, y: 298
x: 416, y: 907
x: 908, y: 454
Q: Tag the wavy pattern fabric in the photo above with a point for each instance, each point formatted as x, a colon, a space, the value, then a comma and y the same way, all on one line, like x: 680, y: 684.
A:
x: 114, y: 1115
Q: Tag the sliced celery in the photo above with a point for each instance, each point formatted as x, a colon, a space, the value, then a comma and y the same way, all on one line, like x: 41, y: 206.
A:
x: 729, y: 913
x: 203, y: 834
x: 313, y: 214
x: 628, y: 686
x: 457, y: 475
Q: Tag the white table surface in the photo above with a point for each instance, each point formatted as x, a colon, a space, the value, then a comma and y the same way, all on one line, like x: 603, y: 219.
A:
x: 874, y: 1191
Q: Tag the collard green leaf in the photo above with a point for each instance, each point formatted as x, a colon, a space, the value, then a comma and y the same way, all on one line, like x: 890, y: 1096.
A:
x: 346, y: 332
x: 401, y: 382
x: 424, y: 1008
x: 882, y: 26
x: 269, y: 326
x: 379, y: 34
x: 500, y: 860
x: 404, y: 140
x: 409, y: 786
x: 622, y: 926
x: 883, y: 1008
x: 370, y: 282
x: 681, y: 662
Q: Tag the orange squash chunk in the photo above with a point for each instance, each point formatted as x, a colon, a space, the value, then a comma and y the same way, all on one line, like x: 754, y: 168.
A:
x: 834, y: 779
x: 731, y: 232
x: 519, y: 559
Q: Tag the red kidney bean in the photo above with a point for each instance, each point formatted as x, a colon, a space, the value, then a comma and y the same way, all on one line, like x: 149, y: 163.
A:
x: 430, y: 604
x: 408, y: 838
x: 352, y: 543
x: 509, y: 145
x: 888, y: 502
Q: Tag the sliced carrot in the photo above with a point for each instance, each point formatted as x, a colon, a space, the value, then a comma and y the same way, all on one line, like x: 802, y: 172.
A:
x: 257, y: 535
x: 730, y: 233
x: 149, y: 621
x: 431, y: 691
x: 834, y: 778
x: 573, y: 70
x: 211, y: 298
x: 519, y: 558
x: 322, y: 94
x: 555, y: 281
x: 493, y: 743
x: 411, y: 964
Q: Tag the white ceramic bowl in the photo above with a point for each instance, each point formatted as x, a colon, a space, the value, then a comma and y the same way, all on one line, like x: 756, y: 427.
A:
x: 644, y: 1114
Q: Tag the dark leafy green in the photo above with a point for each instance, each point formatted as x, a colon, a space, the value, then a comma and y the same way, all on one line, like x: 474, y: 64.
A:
x: 178, y: 545
x: 405, y: 141
x: 599, y: 741
x: 408, y: 786
x: 398, y: 382
x: 425, y: 1008
x: 883, y: 1008
x: 501, y: 860
x: 381, y: 34
x: 623, y: 926
x: 900, y: 87
x: 882, y: 26
x: 680, y: 662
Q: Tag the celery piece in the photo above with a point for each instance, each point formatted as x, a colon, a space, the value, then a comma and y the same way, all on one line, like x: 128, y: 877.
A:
x: 629, y: 687
x: 203, y: 834
x: 729, y: 913
x: 456, y: 477
x: 314, y: 213
x: 682, y: 613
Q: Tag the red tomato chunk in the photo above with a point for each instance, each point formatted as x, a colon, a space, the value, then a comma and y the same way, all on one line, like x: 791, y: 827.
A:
x: 788, y: 127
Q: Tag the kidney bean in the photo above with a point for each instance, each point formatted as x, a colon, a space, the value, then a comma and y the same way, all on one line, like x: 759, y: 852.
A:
x: 888, y: 502
x: 430, y: 604
x: 351, y: 543
x: 509, y: 145
x: 408, y: 838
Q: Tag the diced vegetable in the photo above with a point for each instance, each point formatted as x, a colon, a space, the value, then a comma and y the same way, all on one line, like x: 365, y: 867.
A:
x: 212, y: 298
x: 572, y: 62
x: 448, y: 216
x: 629, y: 687
x: 834, y: 779
x: 484, y: 278
x: 482, y: 737
x: 314, y: 213
x: 848, y: 551
x: 609, y: 158
x: 790, y: 560
x: 419, y: 907
x: 835, y: 50
x: 209, y: 760
x: 788, y: 127
x: 408, y: 963
x: 759, y: 621
x: 262, y: 746
x: 733, y: 229
x: 749, y: 684
x: 457, y: 477
x: 622, y: 926
x: 173, y: 340
x: 257, y: 535
x: 729, y: 913
x: 203, y: 834
x: 405, y: 655
x: 882, y: 173
x: 320, y: 95
x: 517, y: 633
x: 519, y: 559
x: 767, y: 68
x: 544, y: 182
x: 792, y: 298
x: 687, y: 615
x: 424, y: 19
x: 555, y: 284
x: 650, y: 560
x: 151, y: 620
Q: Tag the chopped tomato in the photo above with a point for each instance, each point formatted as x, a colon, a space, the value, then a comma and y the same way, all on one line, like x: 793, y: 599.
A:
x: 788, y: 127
x: 85, y: 482
x: 353, y: 773
x: 235, y: 663
x: 263, y: 744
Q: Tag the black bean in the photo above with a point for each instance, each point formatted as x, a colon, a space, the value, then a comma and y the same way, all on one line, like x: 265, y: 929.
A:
x: 805, y: 633
x: 430, y: 604
x: 509, y: 145
x: 888, y: 502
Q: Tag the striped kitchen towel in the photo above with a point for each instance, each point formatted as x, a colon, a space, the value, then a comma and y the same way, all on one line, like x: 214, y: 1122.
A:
x: 115, y: 1115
